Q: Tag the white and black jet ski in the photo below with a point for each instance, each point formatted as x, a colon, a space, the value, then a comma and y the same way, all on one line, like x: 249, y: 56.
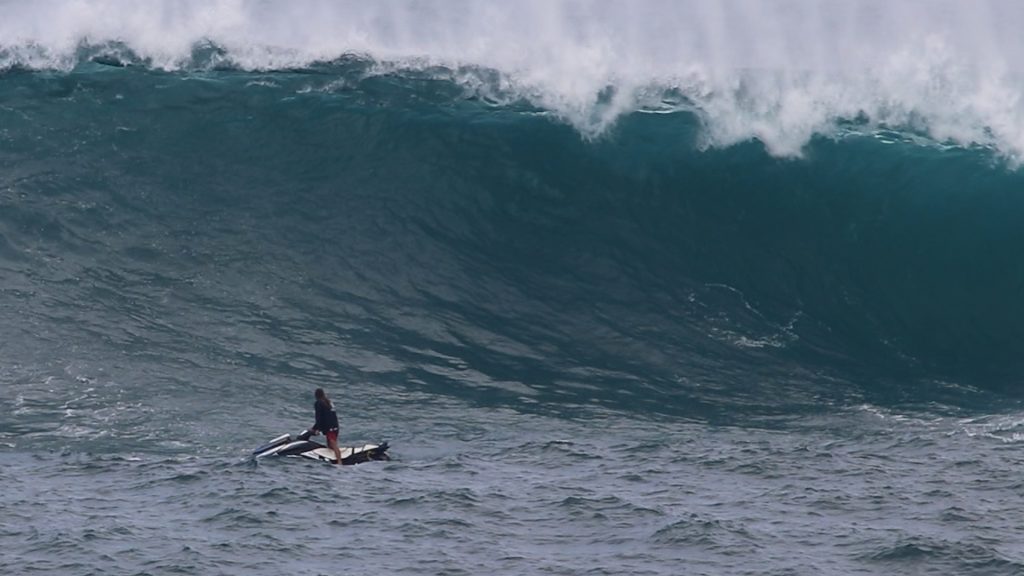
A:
x: 301, y: 445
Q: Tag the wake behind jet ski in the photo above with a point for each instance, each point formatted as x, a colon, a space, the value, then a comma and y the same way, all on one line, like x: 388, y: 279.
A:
x: 301, y: 445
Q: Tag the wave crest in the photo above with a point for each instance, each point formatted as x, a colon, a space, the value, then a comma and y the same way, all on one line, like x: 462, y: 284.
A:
x: 780, y: 74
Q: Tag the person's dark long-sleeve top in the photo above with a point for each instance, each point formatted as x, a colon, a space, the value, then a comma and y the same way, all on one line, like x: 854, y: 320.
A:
x: 326, y: 417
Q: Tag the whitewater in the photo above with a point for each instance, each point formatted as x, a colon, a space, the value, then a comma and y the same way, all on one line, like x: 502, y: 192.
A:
x: 630, y: 288
x: 778, y: 72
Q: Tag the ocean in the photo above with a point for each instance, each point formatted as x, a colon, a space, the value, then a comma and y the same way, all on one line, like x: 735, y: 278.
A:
x: 647, y: 288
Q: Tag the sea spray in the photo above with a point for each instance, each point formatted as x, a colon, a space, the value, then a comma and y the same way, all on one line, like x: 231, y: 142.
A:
x: 778, y: 72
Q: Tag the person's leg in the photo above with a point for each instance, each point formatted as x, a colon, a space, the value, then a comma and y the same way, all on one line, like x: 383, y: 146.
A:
x: 332, y: 443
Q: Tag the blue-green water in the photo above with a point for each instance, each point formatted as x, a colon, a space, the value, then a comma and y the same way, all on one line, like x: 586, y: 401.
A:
x: 647, y: 337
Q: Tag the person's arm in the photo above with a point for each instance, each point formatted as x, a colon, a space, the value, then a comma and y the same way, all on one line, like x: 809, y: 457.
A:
x: 319, y: 418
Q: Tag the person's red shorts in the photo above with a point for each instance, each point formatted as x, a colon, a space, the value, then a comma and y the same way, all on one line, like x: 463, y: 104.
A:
x: 332, y: 435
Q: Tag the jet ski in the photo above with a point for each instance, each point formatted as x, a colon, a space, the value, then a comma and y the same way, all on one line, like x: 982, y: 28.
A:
x: 301, y: 445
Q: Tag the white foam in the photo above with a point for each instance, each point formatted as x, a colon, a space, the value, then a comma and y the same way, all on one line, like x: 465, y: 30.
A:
x: 778, y: 71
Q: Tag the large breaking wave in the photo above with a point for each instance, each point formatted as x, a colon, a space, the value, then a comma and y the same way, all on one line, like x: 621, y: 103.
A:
x: 672, y: 206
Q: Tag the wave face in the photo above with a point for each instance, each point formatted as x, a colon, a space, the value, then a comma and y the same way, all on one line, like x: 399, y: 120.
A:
x: 705, y: 220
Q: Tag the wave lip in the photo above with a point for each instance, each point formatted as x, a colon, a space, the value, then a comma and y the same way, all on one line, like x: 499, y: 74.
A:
x: 780, y: 75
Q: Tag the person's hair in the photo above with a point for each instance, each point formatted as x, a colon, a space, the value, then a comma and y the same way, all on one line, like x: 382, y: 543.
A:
x: 321, y: 395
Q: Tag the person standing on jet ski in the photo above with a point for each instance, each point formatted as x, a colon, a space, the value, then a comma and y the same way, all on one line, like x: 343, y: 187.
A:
x: 326, y: 422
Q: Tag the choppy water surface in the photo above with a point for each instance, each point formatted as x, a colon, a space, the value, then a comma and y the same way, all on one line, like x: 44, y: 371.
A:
x: 862, y: 491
